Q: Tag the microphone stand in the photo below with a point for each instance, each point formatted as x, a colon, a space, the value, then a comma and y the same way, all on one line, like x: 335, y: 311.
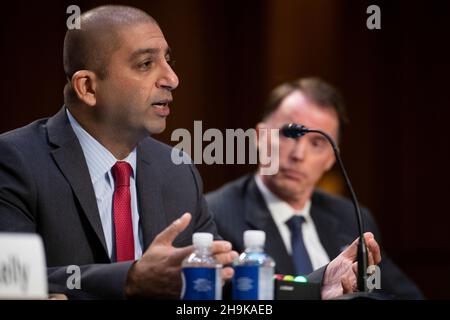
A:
x: 296, y: 131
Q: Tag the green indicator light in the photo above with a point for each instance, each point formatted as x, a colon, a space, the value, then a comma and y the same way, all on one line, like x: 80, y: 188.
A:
x: 301, y: 279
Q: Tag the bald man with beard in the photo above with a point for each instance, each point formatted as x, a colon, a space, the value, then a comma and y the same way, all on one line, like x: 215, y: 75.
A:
x: 100, y: 191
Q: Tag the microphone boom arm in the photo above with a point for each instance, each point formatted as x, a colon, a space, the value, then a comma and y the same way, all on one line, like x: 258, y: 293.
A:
x: 296, y: 131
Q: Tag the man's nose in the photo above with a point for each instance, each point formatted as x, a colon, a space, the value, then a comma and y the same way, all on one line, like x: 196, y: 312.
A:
x: 298, y: 152
x: 168, y: 78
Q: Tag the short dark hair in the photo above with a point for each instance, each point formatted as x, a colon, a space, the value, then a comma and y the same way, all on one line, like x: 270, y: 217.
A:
x: 91, y: 46
x: 317, y: 90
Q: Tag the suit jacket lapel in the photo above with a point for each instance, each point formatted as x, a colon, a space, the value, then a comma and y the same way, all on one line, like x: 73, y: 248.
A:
x: 258, y: 216
x: 69, y: 157
x: 151, y: 208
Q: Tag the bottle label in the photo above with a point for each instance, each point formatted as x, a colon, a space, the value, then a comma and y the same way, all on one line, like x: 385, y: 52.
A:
x: 253, y: 283
x: 201, y: 283
x: 245, y: 283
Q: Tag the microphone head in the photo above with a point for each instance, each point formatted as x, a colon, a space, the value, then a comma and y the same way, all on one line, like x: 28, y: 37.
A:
x: 293, y: 130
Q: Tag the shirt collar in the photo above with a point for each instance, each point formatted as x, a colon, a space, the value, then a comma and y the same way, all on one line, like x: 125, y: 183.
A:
x: 280, y: 210
x: 99, y: 160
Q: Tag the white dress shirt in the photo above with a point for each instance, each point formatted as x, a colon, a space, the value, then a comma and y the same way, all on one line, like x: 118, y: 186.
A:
x: 281, y: 212
x: 100, y: 161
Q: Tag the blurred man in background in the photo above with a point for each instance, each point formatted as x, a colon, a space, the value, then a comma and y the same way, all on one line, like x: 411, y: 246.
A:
x: 305, y: 227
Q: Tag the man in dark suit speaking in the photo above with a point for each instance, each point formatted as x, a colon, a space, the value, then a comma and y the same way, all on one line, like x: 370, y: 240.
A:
x: 100, y: 191
x: 92, y: 182
x: 305, y: 227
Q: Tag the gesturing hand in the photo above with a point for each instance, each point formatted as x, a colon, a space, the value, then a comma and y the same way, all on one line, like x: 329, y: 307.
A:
x: 157, y: 274
x: 341, y: 274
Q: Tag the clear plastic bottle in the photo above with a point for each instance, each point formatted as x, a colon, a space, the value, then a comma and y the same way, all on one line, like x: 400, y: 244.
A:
x: 254, y: 270
x: 201, y: 272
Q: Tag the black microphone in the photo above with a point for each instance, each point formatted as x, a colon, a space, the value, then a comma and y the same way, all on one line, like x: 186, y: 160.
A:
x: 294, y: 130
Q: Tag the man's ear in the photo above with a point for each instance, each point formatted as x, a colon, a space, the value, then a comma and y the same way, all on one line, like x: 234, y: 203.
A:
x: 84, y: 83
x: 330, y: 162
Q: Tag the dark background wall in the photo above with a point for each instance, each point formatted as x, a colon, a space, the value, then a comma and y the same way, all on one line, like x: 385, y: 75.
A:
x: 231, y: 53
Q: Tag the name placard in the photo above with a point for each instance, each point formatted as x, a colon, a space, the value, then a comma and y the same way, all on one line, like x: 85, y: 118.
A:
x: 23, y: 271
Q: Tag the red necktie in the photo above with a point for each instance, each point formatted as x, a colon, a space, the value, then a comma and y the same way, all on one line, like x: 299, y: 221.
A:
x: 121, y: 172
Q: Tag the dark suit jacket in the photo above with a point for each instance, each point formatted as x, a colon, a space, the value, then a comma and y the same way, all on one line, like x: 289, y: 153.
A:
x: 45, y: 188
x: 239, y: 206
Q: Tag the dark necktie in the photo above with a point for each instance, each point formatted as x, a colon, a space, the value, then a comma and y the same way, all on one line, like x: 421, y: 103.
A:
x: 300, y: 256
x: 123, y: 225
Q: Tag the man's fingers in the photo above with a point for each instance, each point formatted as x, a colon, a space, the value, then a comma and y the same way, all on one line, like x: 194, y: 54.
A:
x: 369, y: 257
x: 177, y: 255
x: 169, y: 234
x: 226, y: 258
x: 220, y: 246
x: 351, y: 251
x: 374, y: 249
x: 222, y: 252
x: 227, y: 273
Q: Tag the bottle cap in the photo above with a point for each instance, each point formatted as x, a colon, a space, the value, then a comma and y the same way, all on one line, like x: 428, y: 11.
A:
x: 254, y: 238
x: 202, y: 239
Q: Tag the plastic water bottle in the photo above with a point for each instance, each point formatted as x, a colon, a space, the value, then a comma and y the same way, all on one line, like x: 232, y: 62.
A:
x: 254, y: 270
x: 201, y: 272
